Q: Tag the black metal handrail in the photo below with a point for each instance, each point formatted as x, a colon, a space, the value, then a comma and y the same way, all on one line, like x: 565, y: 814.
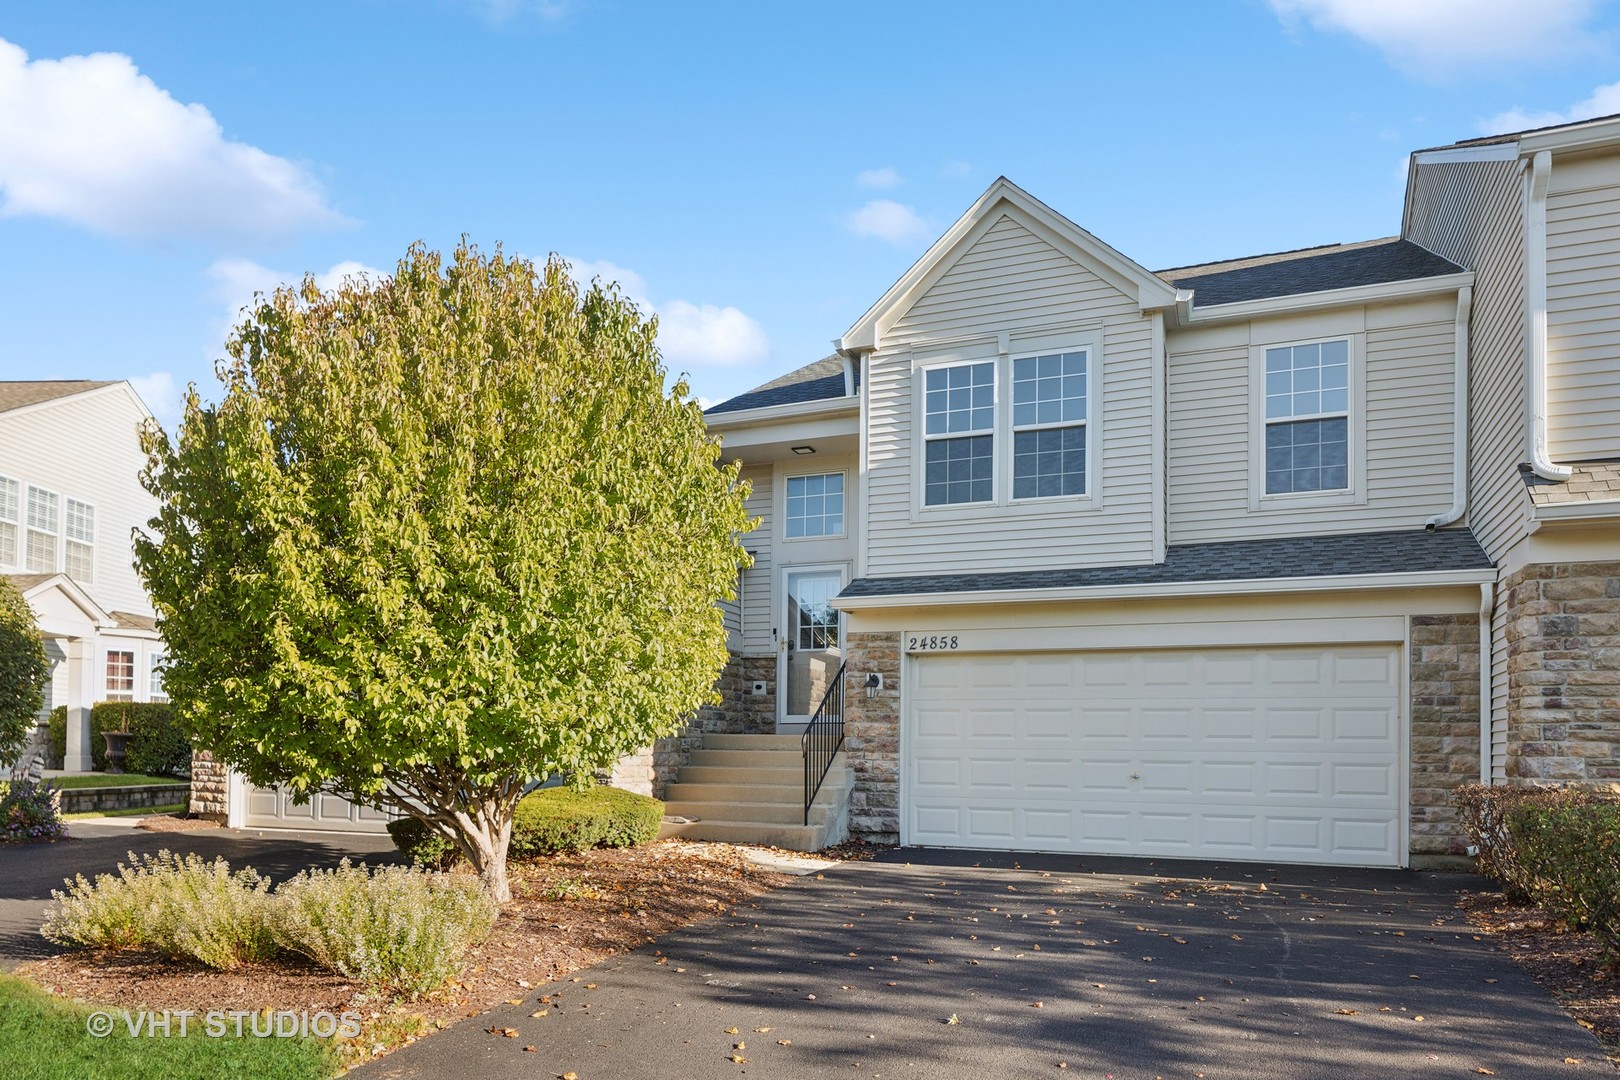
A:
x: 823, y: 738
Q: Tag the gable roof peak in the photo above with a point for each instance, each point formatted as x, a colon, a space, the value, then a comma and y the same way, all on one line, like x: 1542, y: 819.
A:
x: 1125, y: 273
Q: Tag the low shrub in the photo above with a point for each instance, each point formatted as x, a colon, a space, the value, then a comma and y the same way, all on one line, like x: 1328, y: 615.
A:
x: 56, y: 738
x: 30, y: 813
x: 1568, y: 850
x: 157, y: 746
x: 394, y: 928
x: 181, y: 907
x: 1486, y: 814
x: 423, y: 845
x: 562, y: 819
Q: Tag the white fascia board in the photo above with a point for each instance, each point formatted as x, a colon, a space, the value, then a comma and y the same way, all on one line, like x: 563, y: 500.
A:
x: 1505, y: 151
x: 1172, y: 590
x: 1596, y: 510
x: 1355, y: 294
x: 770, y: 414
x: 1589, y: 136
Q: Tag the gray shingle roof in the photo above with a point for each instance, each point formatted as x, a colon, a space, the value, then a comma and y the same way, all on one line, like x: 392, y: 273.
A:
x: 1307, y: 270
x: 1597, y: 481
x: 819, y: 381
x: 1241, y: 560
x: 14, y: 395
x: 130, y: 620
x: 1515, y: 136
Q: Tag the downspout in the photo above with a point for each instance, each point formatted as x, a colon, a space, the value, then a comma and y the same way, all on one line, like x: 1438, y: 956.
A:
x: 1535, y: 302
x: 1487, y: 752
x: 849, y: 374
x: 1459, y: 415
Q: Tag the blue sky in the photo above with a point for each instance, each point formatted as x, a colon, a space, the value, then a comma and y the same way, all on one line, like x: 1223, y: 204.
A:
x: 758, y: 173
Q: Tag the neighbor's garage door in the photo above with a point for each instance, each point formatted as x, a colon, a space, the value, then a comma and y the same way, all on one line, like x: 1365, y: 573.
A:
x: 1278, y: 754
x: 273, y: 808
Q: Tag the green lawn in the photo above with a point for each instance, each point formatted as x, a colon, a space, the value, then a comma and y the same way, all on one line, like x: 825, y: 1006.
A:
x: 44, y: 1038
x: 83, y: 780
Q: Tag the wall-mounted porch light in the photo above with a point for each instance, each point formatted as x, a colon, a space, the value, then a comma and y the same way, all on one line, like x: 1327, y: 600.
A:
x: 874, y: 683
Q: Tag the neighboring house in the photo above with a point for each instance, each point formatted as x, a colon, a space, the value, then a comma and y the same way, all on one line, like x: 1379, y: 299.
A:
x: 1247, y: 560
x: 70, y: 496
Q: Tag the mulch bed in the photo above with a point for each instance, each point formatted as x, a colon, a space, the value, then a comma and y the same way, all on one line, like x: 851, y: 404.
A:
x: 175, y: 823
x: 1568, y: 964
x: 568, y: 912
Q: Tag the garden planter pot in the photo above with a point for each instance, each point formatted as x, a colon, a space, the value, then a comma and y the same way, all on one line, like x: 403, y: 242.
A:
x: 116, y: 742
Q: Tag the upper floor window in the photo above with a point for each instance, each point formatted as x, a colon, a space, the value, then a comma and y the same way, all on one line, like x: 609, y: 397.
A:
x: 815, y: 505
x: 44, y: 527
x: 120, y: 675
x: 1307, y: 401
x: 959, y: 423
x: 10, y: 520
x: 81, y: 539
x: 1049, y: 425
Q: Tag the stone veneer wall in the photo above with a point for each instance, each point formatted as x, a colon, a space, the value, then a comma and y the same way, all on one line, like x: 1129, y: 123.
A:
x: 738, y: 712
x: 209, y: 779
x: 872, y: 737
x: 1444, y: 680
x: 1563, y: 692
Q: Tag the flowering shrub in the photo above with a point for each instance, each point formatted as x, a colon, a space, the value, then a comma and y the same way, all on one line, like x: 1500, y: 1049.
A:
x: 395, y: 928
x: 30, y: 813
x: 184, y: 907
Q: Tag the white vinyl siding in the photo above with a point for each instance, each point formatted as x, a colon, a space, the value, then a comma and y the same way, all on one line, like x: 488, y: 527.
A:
x: 1583, y: 311
x: 757, y: 617
x: 1012, y: 282
x: 88, y: 448
x: 1403, y: 418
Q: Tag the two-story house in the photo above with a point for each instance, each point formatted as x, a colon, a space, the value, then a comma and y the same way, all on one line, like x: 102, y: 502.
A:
x: 70, y: 498
x: 1255, y: 559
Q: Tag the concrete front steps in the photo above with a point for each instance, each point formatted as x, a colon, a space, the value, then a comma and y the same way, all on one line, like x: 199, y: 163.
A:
x: 749, y: 789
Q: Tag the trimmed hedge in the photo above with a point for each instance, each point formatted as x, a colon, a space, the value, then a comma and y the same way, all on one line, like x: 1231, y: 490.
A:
x: 1556, y: 847
x: 157, y: 746
x: 548, y: 821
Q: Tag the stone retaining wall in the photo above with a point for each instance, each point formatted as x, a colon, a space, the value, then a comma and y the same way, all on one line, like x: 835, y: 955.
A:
x: 129, y: 797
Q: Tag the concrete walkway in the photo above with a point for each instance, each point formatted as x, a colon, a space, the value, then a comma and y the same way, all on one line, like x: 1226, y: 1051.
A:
x: 28, y: 872
x: 930, y: 966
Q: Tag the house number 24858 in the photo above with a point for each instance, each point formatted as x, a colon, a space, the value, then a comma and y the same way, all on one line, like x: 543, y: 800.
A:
x: 930, y: 642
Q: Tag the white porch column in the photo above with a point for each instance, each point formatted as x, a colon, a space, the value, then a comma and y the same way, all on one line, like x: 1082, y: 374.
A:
x: 81, y: 694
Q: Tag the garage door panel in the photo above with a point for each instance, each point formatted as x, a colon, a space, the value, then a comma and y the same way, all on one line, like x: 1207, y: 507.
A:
x: 278, y: 808
x: 1279, y: 753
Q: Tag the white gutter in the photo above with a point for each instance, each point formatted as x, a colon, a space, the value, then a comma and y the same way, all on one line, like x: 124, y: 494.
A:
x: 1536, y: 178
x: 1599, y: 510
x: 766, y: 414
x: 1459, y: 416
x: 1350, y: 295
x: 1487, y: 752
x: 1172, y: 590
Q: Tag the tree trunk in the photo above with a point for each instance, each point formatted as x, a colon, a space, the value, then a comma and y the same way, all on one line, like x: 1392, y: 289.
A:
x: 486, y: 849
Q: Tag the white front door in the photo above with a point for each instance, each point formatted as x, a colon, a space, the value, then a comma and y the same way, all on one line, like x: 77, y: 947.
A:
x: 810, y: 643
x: 1287, y: 754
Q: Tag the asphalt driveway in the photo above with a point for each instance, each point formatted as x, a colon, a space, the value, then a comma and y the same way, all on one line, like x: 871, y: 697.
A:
x: 925, y: 965
x: 28, y: 872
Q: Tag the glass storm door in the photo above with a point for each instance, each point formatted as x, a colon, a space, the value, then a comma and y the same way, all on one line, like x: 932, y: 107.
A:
x: 813, y: 647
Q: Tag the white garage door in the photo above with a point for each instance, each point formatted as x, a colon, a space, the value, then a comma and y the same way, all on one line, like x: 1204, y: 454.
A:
x: 1276, y: 754
x: 273, y: 808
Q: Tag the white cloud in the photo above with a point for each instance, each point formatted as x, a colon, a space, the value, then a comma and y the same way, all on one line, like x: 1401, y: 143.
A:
x: 499, y: 11
x: 92, y: 141
x: 689, y: 335
x: 878, y: 178
x: 888, y: 220
x: 955, y: 168
x: 1427, y: 37
x: 237, y: 280
x: 162, y: 395
x: 1604, y: 101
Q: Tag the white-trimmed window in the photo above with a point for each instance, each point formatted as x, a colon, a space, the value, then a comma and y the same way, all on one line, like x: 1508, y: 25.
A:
x: 10, y: 522
x: 959, y: 424
x: 120, y: 675
x: 154, y: 678
x: 815, y: 505
x: 1049, y: 425
x: 81, y: 540
x: 44, y: 530
x: 1307, y: 418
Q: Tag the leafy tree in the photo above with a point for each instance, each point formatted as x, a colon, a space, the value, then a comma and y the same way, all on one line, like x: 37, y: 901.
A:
x: 24, y: 670
x: 445, y: 533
